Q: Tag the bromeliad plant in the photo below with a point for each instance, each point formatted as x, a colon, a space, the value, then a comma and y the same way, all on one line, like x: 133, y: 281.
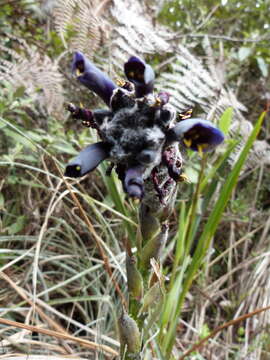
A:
x: 142, y: 135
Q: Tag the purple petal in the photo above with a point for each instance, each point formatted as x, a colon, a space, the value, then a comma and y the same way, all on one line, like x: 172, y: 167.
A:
x: 141, y: 75
x: 133, y: 182
x: 93, y: 78
x: 196, y: 134
x: 87, y: 160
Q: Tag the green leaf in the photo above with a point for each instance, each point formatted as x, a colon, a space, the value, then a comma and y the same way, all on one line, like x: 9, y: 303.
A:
x: 66, y: 300
x: 19, y: 92
x: 65, y: 148
x: 17, y: 226
x: 227, y: 188
x: 18, y: 138
x: 225, y: 120
x: 205, y: 331
x: 2, y: 201
x: 209, y: 231
x: 192, y: 174
x: 262, y: 66
x: 244, y: 53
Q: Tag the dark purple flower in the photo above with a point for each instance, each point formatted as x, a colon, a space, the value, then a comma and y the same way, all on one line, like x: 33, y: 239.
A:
x: 141, y: 75
x: 196, y: 134
x: 93, y: 78
x: 88, y: 159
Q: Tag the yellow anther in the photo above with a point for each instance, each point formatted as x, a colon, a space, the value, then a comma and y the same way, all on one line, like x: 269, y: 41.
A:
x: 78, y: 168
x: 158, y: 101
x: 188, y: 142
x: 204, y: 146
x: 81, y: 105
x: 120, y: 82
x: 186, y: 114
x: 78, y: 72
x: 131, y: 74
x: 200, y: 150
x: 136, y: 201
x: 184, y: 178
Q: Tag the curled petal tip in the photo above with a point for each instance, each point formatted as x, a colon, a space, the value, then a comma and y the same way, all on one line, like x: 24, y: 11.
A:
x: 133, y: 182
x: 93, y: 78
x: 197, y: 134
x: 87, y: 160
x: 140, y: 74
x: 135, y: 191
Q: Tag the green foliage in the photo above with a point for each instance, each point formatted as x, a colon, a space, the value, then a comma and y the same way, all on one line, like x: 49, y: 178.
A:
x: 240, y: 29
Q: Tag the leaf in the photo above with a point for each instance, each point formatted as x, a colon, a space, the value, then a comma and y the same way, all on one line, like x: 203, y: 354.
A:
x: 18, y: 138
x: 209, y: 231
x: 262, y: 66
x: 225, y: 120
x: 17, y: 226
x: 244, y: 53
x: 65, y: 148
x: 19, y: 92
x: 192, y: 174
x: 2, y: 201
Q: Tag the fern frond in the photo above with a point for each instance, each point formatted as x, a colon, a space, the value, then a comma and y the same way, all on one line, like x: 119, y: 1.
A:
x: 260, y: 153
x: 78, y: 19
x: 38, y: 74
x: 134, y: 32
x: 196, y: 85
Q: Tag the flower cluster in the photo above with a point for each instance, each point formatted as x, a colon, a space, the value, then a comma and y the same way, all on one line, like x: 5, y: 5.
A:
x: 142, y: 135
x: 139, y: 132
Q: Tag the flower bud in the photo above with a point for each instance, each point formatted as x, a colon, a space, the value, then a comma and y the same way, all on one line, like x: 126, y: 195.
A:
x: 154, y: 246
x: 141, y: 75
x: 130, y: 336
x: 93, y: 78
x: 149, y: 224
x: 134, y: 278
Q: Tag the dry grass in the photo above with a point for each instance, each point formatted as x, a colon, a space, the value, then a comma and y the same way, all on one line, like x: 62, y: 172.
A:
x: 62, y: 274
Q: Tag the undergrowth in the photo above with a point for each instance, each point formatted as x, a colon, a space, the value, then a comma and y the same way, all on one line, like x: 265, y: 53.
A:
x: 58, y: 237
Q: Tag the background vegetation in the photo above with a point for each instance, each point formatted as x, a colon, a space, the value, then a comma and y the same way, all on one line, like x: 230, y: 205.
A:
x: 211, y: 56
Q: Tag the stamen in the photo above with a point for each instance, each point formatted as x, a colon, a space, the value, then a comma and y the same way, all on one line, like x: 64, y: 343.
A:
x: 200, y: 150
x: 78, y: 168
x: 188, y: 142
x: 158, y: 101
x: 186, y: 114
x: 131, y: 74
x: 78, y: 72
x: 204, y: 146
x: 136, y: 201
x: 120, y: 82
x: 184, y: 178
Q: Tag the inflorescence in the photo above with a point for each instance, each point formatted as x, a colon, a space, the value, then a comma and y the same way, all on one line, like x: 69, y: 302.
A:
x: 139, y: 132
